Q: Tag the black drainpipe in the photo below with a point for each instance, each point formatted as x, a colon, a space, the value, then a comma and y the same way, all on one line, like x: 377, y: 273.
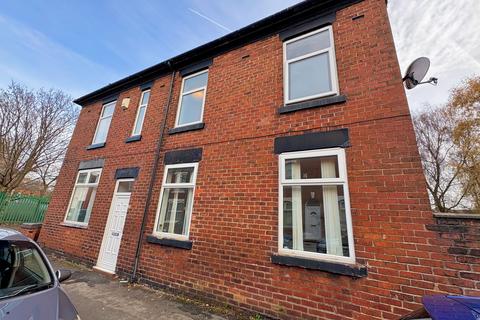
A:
x: 153, y: 176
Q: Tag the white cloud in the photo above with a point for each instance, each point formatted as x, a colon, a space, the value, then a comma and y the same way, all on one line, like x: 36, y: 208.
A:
x: 443, y: 30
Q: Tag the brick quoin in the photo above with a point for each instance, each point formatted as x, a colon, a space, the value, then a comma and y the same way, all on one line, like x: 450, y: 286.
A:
x: 234, y: 229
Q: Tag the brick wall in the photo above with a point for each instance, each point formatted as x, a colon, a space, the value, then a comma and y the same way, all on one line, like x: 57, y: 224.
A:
x: 235, y: 214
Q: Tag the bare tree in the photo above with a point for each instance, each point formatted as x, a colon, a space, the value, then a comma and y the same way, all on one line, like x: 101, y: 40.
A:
x: 433, y: 129
x: 34, y: 131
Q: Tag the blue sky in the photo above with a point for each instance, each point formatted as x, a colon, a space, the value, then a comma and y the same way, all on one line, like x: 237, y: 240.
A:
x: 79, y: 46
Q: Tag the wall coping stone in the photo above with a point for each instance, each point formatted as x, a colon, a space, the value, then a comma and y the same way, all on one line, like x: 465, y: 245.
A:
x: 475, y: 216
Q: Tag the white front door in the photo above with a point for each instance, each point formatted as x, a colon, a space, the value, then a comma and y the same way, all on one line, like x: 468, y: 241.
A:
x: 112, y: 237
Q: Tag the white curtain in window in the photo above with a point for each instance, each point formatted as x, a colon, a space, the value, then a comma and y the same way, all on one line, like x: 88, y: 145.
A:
x: 90, y: 203
x: 297, y: 219
x: 164, y: 208
x: 333, y: 231
x: 79, y: 197
x: 173, y: 213
x: 186, y: 219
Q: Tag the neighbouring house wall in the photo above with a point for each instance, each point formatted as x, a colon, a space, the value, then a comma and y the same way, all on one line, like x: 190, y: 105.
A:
x: 86, y: 242
x: 234, y: 227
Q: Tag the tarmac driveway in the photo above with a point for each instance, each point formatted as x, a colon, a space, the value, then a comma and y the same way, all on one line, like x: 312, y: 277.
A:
x: 99, y: 297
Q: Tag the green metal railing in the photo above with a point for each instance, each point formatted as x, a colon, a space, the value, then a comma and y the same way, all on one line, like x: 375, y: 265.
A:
x: 18, y: 208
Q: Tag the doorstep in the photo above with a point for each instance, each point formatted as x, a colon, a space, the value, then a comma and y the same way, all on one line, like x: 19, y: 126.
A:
x: 104, y: 271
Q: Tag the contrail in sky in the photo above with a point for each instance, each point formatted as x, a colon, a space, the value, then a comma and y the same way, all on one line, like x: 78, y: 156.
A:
x: 210, y: 20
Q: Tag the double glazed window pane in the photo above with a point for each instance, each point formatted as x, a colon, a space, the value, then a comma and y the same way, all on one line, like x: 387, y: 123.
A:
x: 125, y: 186
x: 140, y: 119
x: 309, y: 76
x: 195, y: 82
x: 307, y: 45
x: 102, y: 131
x: 108, y: 109
x: 81, y: 204
x: 142, y: 109
x: 191, y: 107
x: 94, y: 177
x: 104, y: 122
x: 145, y: 98
x: 311, y: 168
x: 314, y: 219
x: 180, y: 175
x: 175, y: 210
x: 82, y: 177
x: 192, y: 99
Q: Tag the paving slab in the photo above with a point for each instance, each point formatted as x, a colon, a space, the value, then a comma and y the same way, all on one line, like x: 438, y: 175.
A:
x: 97, y: 296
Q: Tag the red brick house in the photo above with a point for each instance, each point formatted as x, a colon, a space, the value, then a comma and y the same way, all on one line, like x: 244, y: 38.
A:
x: 274, y: 169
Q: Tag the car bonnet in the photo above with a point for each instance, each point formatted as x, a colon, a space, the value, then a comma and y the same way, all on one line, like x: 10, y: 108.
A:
x: 452, y: 307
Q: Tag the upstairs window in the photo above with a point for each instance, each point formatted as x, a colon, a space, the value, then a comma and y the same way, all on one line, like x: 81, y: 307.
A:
x: 104, y: 122
x: 176, y: 201
x: 314, y: 216
x: 309, y: 66
x: 142, y: 109
x: 192, y: 99
x: 83, y: 196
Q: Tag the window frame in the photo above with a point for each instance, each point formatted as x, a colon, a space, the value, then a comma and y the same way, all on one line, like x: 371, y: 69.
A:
x: 341, y: 180
x: 140, y: 105
x: 204, y: 88
x: 116, y: 192
x: 332, y: 62
x: 167, y: 235
x: 86, y: 184
x: 114, y: 102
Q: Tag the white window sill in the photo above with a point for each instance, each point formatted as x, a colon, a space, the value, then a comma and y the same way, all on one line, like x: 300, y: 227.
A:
x: 74, y: 225
x: 456, y: 215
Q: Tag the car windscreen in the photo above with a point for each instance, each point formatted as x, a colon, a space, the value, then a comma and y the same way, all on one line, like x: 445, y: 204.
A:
x: 22, y: 269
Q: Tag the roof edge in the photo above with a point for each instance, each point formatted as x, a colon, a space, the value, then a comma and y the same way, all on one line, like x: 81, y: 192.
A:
x: 265, y: 27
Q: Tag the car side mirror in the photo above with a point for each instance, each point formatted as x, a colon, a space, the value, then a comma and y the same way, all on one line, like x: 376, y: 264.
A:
x: 63, y: 274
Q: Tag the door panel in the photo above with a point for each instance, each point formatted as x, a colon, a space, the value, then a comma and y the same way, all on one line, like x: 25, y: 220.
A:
x: 113, y: 233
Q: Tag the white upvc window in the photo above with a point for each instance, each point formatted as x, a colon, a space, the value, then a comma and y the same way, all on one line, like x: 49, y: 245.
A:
x: 314, y: 206
x: 104, y: 122
x: 176, y: 201
x: 309, y: 66
x: 83, y: 197
x: 192, y: 99
x: 141, y: 111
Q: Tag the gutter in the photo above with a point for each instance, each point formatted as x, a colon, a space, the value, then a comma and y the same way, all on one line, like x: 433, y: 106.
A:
x: 153, y: 174
x: 265, y: 27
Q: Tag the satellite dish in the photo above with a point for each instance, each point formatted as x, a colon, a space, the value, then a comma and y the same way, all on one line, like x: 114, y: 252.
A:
x: 416, y: 71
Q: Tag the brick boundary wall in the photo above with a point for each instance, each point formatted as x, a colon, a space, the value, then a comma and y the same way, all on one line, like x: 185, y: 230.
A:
x: 459, y: 240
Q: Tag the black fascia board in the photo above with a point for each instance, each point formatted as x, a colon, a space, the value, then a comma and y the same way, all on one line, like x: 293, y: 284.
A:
x: 266, y: 27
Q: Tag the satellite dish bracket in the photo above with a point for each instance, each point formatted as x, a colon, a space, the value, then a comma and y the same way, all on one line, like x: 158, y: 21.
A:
x: 433, y: 81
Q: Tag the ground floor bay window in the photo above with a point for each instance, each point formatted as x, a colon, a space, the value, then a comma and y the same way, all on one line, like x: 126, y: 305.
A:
x: 176, y: 201
x: 315, y: 219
